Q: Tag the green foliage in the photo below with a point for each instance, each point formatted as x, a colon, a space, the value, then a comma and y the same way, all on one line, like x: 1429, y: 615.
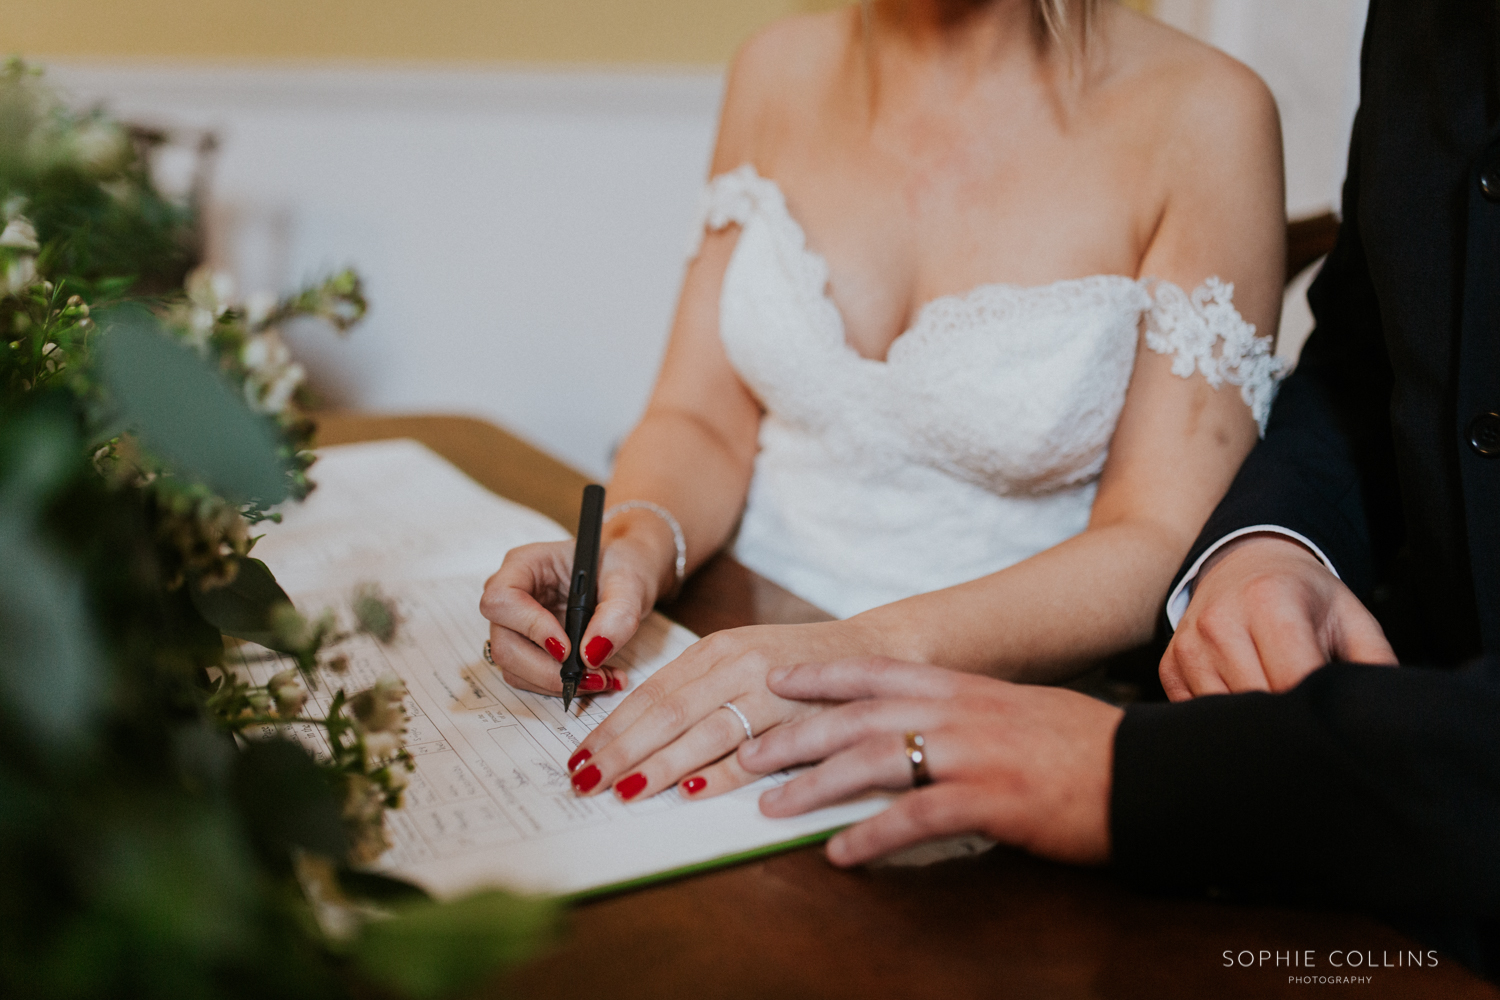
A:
x: 46, y: 633
x: 288, y: 801
x: 88, y: 189
x: 128, y: 868
x: 432, y: 950
x: 243, y: 608
x: 185, y: 413
x: 147, y: 853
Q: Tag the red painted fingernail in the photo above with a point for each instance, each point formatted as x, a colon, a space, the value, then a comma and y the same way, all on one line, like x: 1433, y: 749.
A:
x: 586, y: 779
x: 576, y: 759
x: 616, y: 682
x: 630, y: 786
x: 695, y: 785
x: 598, y: 650
x: 594, y: 682
x: 556, y: 649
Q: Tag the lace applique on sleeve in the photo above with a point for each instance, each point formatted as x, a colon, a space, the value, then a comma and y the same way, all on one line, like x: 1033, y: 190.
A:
x: 1191, y: 327
x: 729, y: 198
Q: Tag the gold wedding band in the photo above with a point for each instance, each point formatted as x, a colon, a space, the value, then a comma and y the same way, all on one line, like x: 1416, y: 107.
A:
x: 916, y: 752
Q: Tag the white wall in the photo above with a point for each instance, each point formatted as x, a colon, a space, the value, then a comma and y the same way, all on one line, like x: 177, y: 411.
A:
x: 522, y: 234
x: 1307, y: 51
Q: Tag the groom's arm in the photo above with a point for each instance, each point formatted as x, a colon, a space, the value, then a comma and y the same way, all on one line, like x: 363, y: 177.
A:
x: 1363, y: 785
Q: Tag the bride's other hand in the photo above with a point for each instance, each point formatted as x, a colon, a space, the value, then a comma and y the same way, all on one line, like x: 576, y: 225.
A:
x: 1025, y: 765
x: 525, y: 600
x: 674, y: 728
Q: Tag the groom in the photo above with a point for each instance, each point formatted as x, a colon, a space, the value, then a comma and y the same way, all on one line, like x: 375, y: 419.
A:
x: 1377, y: 487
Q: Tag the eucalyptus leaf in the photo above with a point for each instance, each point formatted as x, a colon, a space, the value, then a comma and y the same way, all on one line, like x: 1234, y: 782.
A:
x: 242, y: 608
x: 51, y: 667
x: 184, y: 411
x: 40, y: 451
x: 432, y: 949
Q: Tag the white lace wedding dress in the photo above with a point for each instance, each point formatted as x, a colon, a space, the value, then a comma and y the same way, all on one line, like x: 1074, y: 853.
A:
x: 977, y: 443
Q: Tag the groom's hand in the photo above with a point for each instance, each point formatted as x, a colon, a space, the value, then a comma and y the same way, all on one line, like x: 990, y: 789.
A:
x: 1265, y: 613
x: 1025, y: 765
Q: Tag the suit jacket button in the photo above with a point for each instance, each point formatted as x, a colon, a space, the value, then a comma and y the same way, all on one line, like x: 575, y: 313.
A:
x: 1489, y: 183
x: 1484, y: 435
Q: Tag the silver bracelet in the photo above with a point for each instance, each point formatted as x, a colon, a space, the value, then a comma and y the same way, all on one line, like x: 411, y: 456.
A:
x: 680, y: 565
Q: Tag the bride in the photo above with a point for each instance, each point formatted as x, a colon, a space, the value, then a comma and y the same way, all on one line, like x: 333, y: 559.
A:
x: 966, y: 357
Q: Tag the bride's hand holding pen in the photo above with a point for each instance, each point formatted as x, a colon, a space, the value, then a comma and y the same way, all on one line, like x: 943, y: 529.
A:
x: 642, y: 556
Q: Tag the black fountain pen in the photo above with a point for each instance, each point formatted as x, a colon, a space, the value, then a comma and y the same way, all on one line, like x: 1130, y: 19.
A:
x: 583, y: 591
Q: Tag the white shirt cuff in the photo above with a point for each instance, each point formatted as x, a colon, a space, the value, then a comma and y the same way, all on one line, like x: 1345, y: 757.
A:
x: 1177, y: 602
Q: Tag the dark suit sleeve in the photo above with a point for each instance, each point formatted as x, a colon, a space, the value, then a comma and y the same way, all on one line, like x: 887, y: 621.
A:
x: 1371, y: 786
x: 1330, y: 424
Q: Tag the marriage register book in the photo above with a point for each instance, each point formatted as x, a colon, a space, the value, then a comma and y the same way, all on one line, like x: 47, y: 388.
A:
x: 489, y: 804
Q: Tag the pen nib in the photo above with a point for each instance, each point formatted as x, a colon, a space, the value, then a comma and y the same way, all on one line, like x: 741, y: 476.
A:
x: 570, y: 688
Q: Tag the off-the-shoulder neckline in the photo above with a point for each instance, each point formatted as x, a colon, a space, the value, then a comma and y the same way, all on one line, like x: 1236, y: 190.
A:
x: 747, y: 173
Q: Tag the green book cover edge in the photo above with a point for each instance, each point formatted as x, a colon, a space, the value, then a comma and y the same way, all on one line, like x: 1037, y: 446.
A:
x: 723, y: 861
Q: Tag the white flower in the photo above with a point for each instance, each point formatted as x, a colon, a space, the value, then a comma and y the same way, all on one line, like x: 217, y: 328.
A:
x: 210, y: 290
x: 258, y: 307
x: 391, y: 687
x: 279, y: 393
x: 274, y: 376
x: 19, y: 234
x: 200, y: 324
x: 289, y: 694
x: 379, y: 709
x: 379, y: 746
x: 20, y: 272
x: 265, y: 354
x: 100, y: 148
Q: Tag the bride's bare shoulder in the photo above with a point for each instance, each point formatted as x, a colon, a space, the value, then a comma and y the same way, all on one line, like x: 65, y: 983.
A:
x: 1203, y: 122
x: 1183, y: 96
x: 774, y: 74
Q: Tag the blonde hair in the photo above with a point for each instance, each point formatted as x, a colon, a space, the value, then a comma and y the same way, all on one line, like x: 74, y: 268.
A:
x: 1052, y: 17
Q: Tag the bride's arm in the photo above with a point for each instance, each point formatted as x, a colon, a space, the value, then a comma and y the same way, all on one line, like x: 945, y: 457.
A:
x: 693, y: 450
x: 1175, y: 450
x: 691, y: 453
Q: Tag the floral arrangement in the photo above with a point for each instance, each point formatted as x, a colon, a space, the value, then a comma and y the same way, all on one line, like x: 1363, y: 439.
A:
x: 157, y: 843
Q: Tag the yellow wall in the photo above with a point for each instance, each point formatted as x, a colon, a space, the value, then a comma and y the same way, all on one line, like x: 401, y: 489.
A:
x: 571, y: 31
x: 574, y: 31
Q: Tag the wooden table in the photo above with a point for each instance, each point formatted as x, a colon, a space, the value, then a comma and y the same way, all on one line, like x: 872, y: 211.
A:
x: 792, y: 926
